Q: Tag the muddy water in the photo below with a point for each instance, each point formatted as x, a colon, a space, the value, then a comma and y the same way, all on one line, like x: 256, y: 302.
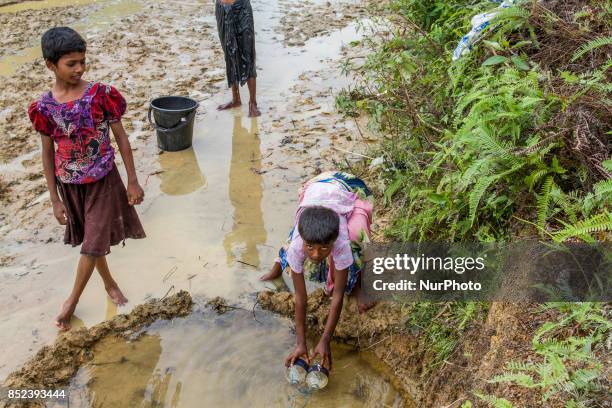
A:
x: 202, y: 360
x: 109, y: 11
x: 214, y: 216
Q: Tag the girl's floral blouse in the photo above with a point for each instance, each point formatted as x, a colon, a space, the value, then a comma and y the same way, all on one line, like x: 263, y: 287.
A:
x: 80, y: 129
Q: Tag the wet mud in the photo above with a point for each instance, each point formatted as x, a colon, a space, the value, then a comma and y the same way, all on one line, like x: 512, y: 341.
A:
x: 352, y: 328
x: 54, y: 365
x: 306, y: 19
x: 29, y: 25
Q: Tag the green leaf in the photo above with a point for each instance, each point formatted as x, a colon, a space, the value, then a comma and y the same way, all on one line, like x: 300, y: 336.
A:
x: 522, y: 44
x: 497, y: 59
x: 520, y: 64
x: 476, y: 194
x: 437, y: 198
x: 557, y: 167
x: 493, y: 44
x: 569, y: 77
x: 392, y: 189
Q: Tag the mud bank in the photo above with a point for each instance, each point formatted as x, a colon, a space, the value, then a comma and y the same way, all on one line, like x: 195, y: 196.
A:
x: 482, y: 353
x: 54, y: 365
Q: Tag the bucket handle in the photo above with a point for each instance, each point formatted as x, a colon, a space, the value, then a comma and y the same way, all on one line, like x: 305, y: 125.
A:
x: 182, y: 123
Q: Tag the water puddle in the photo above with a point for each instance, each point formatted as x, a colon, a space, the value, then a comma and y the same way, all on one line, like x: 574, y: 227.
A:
x: 202, y: 360
x: 41, y: 5
x: 96, y: 21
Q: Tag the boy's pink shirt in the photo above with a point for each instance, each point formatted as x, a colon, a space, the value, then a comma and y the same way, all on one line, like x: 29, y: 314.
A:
x: 335, y: 198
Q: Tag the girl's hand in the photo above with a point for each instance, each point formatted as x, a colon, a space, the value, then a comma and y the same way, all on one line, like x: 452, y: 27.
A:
x: 59, y: 212
x: 135, y: 193
x: 300, y: 351
x: 323, y: 350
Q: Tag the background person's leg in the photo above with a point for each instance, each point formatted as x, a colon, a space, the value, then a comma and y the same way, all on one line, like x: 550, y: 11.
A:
x: 235, y: 102
x: 252, y: 85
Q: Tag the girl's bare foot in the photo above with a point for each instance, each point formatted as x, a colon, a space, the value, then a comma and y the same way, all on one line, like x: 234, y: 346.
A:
x: 116, y: 295
x: 253, y: 110
x: 62, y: 321
x: 229, y: 105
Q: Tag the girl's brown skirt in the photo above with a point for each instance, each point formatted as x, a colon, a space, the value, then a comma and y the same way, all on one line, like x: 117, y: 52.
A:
x: 99, y: 215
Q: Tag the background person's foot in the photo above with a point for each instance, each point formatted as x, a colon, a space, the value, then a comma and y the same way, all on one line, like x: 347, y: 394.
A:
x: 253, y: 110
x: 62, y: 321
x: 116, y: 296
x: 229, y: 105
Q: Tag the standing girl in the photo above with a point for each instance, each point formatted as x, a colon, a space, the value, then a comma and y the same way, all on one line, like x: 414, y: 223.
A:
x: 86, y: 191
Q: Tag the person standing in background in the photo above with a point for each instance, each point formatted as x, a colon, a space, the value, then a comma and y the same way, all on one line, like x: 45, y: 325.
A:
x: 237, y: 34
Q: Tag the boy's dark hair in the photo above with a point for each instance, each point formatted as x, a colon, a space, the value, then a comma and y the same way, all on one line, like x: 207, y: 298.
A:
x: 60, y: 41
x: 318, y: 225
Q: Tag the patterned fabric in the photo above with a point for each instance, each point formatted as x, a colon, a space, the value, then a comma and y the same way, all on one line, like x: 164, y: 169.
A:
x: 80, y: 129
x: 340, y: 201
x: 237, y: 34
x: 356, y: 227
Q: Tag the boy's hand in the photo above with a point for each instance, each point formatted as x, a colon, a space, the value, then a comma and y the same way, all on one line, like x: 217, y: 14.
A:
x: 323, y: 350
x: 135, y: 193
x: 300, y: 351
x: 59, y: 212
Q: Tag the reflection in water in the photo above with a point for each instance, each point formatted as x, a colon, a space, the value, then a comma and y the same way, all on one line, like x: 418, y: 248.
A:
x: 181, y: 173
x: 122, y: 373
x: 111, y: 309
x: 39, y: 5
x: 229, y: 360
x: 245, y: 192
x: 157, y: 392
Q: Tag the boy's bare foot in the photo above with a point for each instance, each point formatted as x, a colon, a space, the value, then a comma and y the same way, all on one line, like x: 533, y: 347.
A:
x: 253, y: 110
x: 364, y: 307
x: 62, y: 321
x: 116, y: 295
x: 273, y: 274
x: 229, y: 105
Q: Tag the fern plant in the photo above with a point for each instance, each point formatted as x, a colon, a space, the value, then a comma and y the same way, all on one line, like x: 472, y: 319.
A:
x: 568, y: 368
x: 590, y: 46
